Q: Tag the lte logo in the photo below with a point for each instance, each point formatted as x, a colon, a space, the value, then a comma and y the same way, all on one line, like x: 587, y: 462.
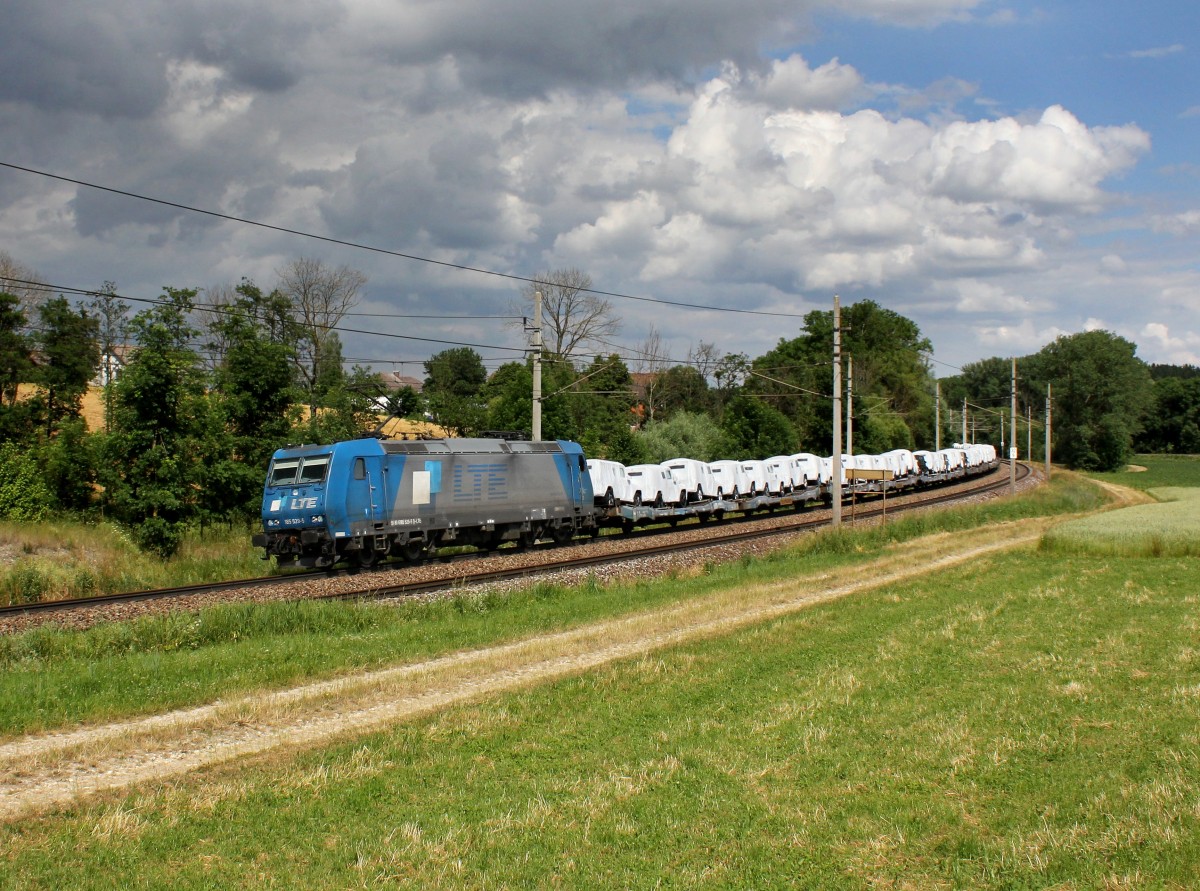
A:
x: 303, y: 503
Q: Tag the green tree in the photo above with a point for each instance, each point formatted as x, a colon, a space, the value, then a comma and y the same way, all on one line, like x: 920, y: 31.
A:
x: 453, y: 388
x: 253, y: 400
x: 684, y: 435
x: 24, y: 495
x: 1101, y: 393
x: 1173, y: 424
x: 350, y: 410
x: 15, y: 348
x: 756, y: 430
x: 153, y: 456
x: 69, y: 465
x: 110, y: 313
x: 683, y: 388
x: 602, y: 404
x: 18, y: 419
x: 891, y: 372
x: 70, y: 354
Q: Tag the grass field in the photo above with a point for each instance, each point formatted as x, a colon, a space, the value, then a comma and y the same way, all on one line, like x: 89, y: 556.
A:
x: 1169, y: 528
x: 1032, y: 721
x: 1161, y: 471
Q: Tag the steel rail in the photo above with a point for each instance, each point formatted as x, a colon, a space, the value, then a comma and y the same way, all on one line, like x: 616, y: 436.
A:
x: 874, y: 507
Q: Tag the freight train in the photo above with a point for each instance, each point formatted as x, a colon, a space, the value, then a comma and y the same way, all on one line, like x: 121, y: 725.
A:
x: 365, y: 500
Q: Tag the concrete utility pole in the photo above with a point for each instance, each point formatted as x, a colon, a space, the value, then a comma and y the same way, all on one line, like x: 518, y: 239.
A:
x: 1047, y: 432
x: 1012, y: 453
x: 836, y: 483
x: 937, y: 417
x: 849, y: 405
x: 537, y: 366
x: 964, y: 439
x: 1028, y: 433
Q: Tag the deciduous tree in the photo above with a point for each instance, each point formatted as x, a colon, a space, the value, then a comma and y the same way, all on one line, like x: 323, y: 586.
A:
x: 573, y: 319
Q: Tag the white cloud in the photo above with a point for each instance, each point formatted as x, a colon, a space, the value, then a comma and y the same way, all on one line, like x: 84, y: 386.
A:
x: 1182, y: 349
x: 1177, y: 224
x: 1157, y: 52
x: 908, y: 13
x: 661, y: 152
x: 1017, y: 339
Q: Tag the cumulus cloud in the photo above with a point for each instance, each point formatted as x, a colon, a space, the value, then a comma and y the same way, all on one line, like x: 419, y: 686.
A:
x: 655, y: 146
x: 1181, y: 349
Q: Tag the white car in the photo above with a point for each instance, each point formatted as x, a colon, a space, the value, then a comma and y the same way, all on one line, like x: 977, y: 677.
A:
x: 695, y: 478
x: 608, y: 480
x: 902, y: 462
x: 785, y: 468
x: 810, y: 470
x: 756, y: 472
x: 732, y: 481
x: 648, y: 484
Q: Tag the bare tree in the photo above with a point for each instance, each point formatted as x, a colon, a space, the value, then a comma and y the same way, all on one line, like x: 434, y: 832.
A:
x: 572, y: 318
x: 649, y: 361
x: 705, y: 358
x: 20, y: 280
x: 209, y: 315
x: 320, y: 296
x: 651, y: 356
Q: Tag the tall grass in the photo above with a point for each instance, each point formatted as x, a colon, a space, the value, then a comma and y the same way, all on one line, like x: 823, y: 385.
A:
x: 64, y: 559
x: 1170, y: 528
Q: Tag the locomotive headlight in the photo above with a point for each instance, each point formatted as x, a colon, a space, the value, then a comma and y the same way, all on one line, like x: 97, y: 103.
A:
x: 319, y: 518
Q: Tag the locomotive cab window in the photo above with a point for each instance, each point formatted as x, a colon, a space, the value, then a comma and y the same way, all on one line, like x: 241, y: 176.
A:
x: 360, y: 469
x: 313, y: 469
x: 283, y: 472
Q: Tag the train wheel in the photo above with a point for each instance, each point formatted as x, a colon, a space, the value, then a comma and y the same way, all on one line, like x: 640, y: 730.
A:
x: 562, y: 534
x: 367, y: 555
x: 412, y: 551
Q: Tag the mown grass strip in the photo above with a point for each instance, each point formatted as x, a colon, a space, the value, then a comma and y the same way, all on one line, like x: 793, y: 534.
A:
x: 1031, y: 721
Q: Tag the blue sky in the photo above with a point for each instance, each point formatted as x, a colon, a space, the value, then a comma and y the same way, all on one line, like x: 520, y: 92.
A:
x: 1002, y: 173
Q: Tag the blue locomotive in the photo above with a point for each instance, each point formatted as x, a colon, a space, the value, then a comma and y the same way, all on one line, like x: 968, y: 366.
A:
x: 365, y: 499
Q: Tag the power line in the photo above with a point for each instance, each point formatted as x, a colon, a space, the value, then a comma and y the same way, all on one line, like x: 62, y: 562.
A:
x: 378, y: 250
x: 81, y: 292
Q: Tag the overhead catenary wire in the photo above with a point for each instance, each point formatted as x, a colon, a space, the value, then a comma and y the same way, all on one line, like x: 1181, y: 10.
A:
x: 226, y: 311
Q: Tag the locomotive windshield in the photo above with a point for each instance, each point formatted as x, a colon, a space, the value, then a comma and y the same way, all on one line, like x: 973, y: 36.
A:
x: 312, y: 470
x: 283, y: 473
x: 291, y: 471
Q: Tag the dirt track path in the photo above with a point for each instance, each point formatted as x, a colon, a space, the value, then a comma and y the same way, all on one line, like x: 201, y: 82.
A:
x: 39, y: 773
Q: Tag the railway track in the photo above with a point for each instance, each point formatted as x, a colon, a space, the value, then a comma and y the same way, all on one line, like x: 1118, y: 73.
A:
x: 406, y: 580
